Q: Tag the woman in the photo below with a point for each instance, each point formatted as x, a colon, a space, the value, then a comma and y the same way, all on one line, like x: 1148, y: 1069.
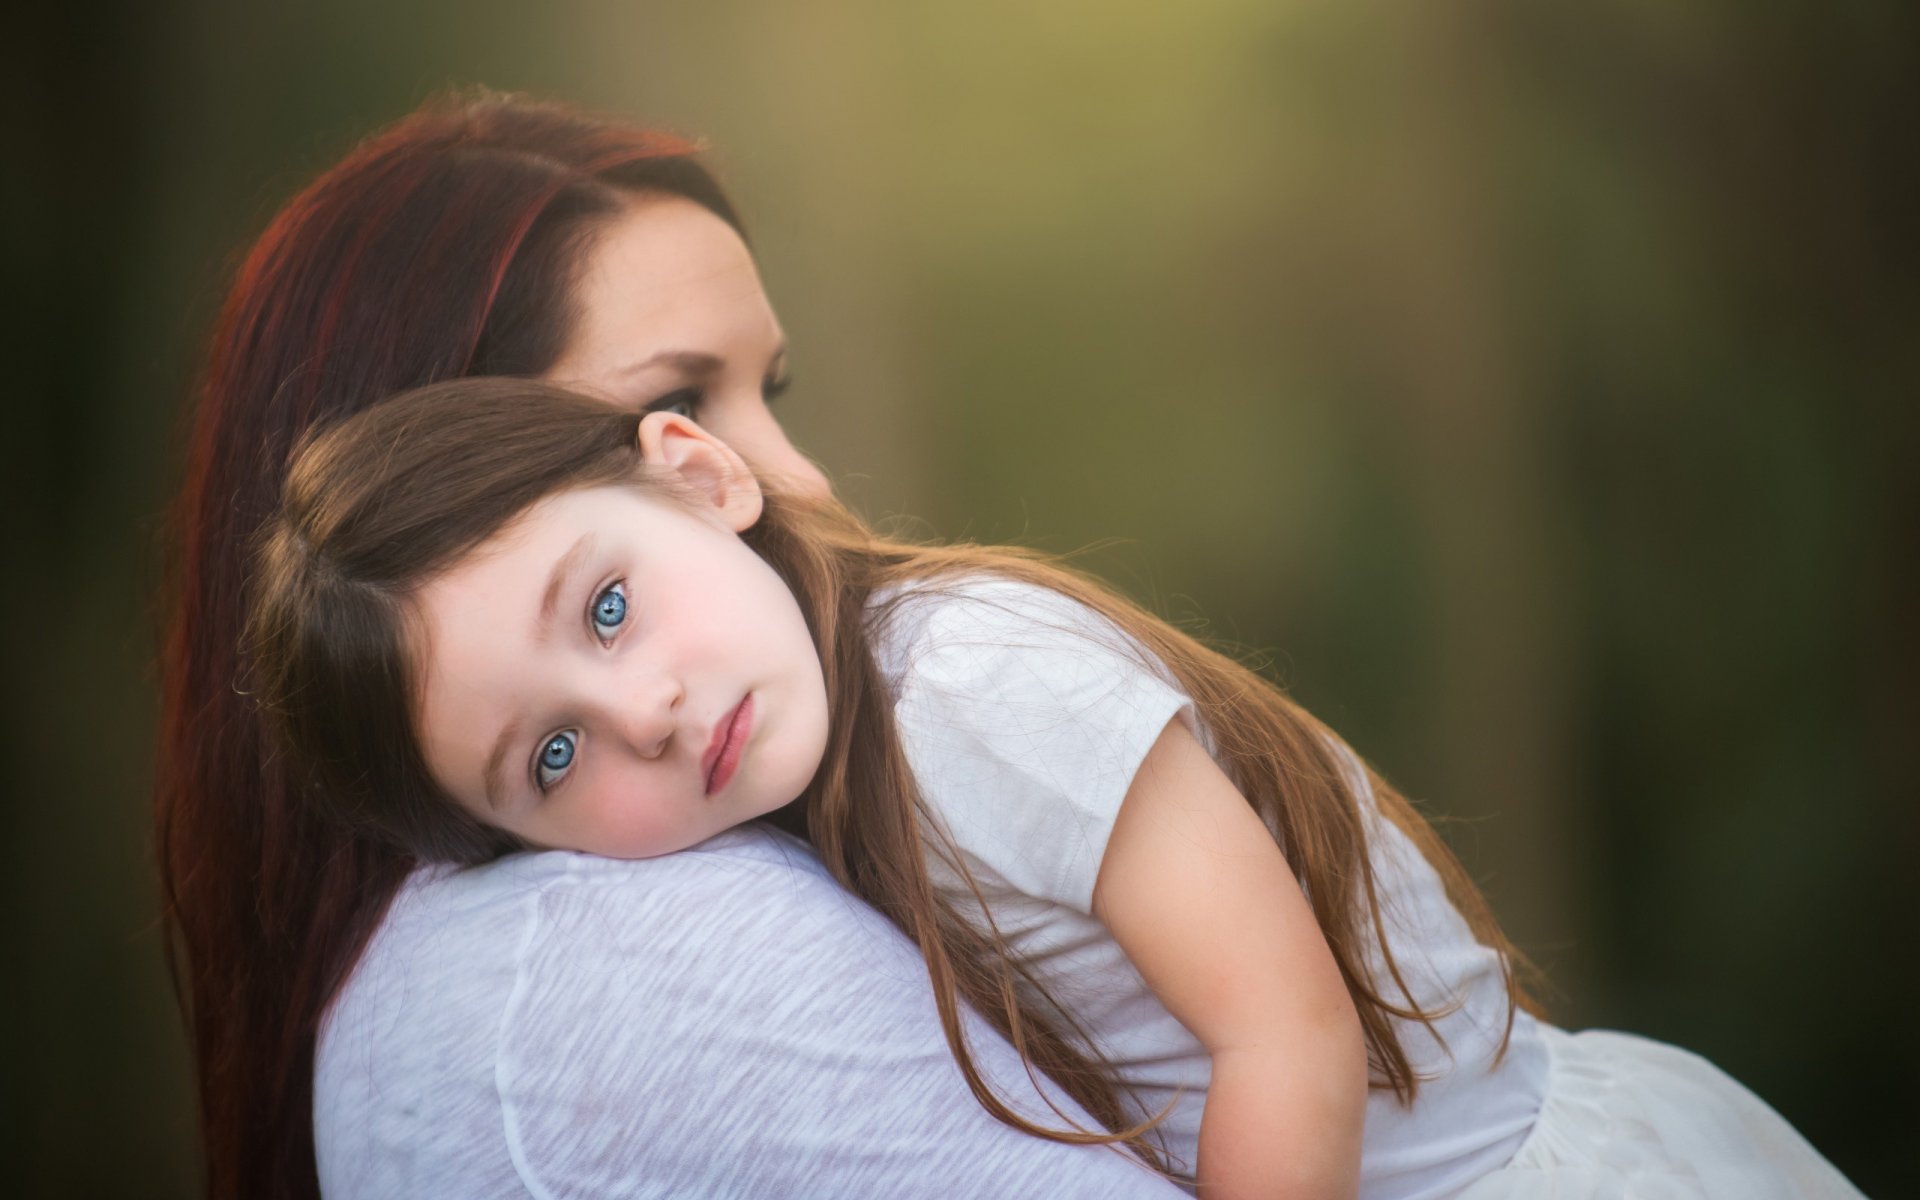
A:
x: 480, y: 235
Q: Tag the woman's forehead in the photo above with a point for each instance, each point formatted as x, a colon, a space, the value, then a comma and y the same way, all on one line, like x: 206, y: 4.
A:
x: 666, y: 271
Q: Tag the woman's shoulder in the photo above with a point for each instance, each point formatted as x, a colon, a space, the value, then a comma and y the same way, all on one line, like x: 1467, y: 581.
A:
x: 476, y: 931
x: 746, y: 848
x: 453, y: 1010
x: 477, y: 909
x: 674, y: 1026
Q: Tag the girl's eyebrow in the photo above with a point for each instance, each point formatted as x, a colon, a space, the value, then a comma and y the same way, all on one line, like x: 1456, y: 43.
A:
x: 568, y: 565
x: 496, y: 759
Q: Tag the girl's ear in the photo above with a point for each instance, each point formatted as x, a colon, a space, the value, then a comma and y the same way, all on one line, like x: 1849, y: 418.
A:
x: 708, y: 466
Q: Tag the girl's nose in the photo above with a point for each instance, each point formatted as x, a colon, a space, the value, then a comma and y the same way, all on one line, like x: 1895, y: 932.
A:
x: 648, y: 714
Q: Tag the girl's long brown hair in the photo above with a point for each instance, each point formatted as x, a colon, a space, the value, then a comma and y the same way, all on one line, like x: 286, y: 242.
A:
x: 383, y: 502
x: 443, y: 246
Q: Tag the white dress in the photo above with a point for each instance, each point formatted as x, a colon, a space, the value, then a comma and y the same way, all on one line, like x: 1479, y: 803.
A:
x: 1025, y: 715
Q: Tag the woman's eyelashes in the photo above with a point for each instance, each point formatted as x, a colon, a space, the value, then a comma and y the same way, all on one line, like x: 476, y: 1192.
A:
x: 686, y: 402
x: 690, y: 402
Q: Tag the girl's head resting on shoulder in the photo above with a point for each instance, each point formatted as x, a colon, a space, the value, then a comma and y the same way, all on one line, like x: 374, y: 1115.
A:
x: 495, y: 613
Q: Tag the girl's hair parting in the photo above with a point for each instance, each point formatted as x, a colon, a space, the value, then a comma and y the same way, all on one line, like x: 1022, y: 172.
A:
x: 445, y: 245
x: 381, y: 503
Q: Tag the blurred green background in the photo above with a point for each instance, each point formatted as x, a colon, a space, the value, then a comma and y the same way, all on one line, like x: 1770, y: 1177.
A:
x: 1532, y: 387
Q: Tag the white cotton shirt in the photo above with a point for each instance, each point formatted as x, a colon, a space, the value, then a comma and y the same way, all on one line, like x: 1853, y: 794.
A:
x: 1025, y: 715
x: 722, y: 1022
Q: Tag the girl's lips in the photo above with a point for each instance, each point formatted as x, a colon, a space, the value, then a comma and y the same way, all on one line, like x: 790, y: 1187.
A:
x: 729, y: 739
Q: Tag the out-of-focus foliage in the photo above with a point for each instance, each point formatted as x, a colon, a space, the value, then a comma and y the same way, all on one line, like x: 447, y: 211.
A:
x: 1531, y: 384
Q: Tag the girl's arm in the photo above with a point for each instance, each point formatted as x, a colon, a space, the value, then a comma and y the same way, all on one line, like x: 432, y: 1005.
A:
x: 1197, y: 892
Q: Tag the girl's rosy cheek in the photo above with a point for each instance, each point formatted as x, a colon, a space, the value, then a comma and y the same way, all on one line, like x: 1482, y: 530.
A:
x: 638, y: 828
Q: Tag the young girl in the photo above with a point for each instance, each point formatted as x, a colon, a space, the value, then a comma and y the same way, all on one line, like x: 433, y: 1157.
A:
x: 493, y: 615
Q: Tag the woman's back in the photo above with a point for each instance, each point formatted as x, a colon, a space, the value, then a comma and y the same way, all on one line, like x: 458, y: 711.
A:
x: 720, y: 1022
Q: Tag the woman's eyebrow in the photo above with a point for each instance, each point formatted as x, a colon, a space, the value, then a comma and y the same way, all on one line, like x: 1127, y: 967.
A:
x: 693, y: 362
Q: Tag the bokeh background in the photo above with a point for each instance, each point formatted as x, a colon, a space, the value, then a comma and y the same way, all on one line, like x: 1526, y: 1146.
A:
x: 1531, y: 385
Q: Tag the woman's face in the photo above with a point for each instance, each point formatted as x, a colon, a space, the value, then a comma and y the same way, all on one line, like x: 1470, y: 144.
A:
x: 671, y: 316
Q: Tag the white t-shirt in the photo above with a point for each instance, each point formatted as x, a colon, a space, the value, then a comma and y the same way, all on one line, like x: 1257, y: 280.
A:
x: 722, y: 1022
x: 1025, y: 716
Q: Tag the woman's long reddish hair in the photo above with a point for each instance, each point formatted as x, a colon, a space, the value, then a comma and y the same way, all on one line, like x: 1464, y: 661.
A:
x: 443, y: 246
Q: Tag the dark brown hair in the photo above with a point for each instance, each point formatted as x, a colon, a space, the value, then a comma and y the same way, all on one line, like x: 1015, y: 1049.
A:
x: 443, y: 246
x: 385, y: 501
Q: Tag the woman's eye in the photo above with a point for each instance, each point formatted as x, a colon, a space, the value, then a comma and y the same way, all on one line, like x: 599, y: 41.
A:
x: 555, y: 757
x: 609, y: 610
x: 686, y: 402
x: 772, y: 389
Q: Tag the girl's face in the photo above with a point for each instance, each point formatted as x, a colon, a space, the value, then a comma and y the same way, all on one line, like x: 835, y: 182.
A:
x: 672, y: 317
x: 619, y: 674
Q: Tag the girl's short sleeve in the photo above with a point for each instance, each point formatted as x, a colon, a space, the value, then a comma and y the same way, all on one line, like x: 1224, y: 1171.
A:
x: 1024, y: 715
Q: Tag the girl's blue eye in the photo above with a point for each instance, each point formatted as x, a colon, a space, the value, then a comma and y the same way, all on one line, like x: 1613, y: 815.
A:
x: 609, y: 610
x: 555, y: 757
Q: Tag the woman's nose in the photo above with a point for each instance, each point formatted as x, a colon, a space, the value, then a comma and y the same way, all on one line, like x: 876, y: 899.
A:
x: 763, y: 443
